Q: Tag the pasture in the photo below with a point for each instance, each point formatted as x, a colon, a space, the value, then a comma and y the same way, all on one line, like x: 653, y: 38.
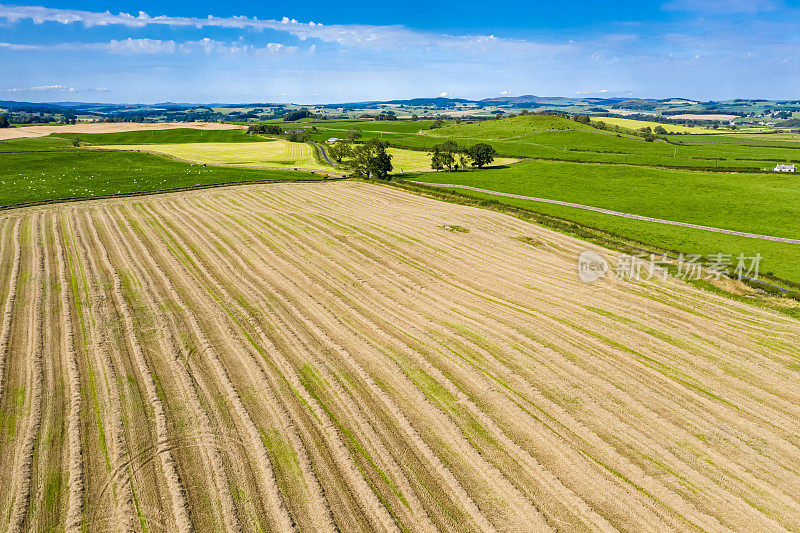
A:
x: 705, y: 198
x: 164, y: 136
x: 35, y: 175
x: 507, y: 128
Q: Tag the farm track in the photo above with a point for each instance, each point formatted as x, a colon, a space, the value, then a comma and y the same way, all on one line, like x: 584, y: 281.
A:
x: 329, y: 357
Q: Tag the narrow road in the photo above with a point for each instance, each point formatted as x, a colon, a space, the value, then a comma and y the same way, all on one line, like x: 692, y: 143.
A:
x: 325, y: 154
x: 614, y: 213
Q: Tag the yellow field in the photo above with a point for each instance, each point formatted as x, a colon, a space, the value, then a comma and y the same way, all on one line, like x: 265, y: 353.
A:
x: 278, y: 154
x: 636, y: 124
x: 419, y: 161
x: 350, y: 357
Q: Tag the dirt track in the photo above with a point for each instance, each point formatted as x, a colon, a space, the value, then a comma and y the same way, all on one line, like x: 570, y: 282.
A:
x: 323, y: 356
x: 108, y: 127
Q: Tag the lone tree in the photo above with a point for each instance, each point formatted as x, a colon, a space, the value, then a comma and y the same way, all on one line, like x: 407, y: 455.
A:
x: 4, y: 123
x: 444, y: 155
x: 370, y: 160
x: 582, y: 119
x: 481, y: 154
x: 660, y: 130
x: 354, y: 134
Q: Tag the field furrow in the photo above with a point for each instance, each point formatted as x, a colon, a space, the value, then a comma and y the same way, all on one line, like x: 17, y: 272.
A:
x: 349, y: 357
x: 211, y: 472
x: 34, y: 378
x: 11, y: 294
x: 75, y: 470
x: 277, y: 511
x: 163, y: 444
x: 109, y: 477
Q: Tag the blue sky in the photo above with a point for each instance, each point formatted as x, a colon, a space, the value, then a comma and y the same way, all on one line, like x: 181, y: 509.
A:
x: 310, y: 52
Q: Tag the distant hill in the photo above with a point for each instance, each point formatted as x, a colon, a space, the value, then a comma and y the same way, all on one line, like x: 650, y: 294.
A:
x: 508, y: 127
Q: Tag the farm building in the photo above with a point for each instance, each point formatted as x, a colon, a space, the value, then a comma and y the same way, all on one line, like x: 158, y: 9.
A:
x: 785, y: 168
x: 334, y: 140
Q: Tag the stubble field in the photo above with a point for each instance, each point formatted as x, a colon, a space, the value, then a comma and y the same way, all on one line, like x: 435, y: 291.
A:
x: 348, y: 356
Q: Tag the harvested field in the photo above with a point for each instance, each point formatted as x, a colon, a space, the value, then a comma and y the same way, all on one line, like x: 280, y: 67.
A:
x: 345, y: 356
x: 108, y: 127
x: 268, y: 154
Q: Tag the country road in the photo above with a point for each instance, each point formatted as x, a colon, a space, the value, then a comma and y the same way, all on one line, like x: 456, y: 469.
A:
x: 325, y: 154
x: 614, y: 213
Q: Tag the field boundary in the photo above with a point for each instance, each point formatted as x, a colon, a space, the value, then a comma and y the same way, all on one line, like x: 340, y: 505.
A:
x: 613, y: 213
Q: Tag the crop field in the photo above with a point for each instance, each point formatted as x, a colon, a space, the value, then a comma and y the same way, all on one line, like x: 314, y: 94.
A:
x: 279, y: 154
x: 346, y: 356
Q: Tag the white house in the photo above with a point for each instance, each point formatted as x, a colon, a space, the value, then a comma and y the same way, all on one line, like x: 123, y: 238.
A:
x: 785, y: 168
x: 334, y: 140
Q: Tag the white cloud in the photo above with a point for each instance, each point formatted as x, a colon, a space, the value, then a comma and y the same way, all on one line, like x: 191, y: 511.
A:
x: 157, y: 46
x: 42, y: 88
x: 356, y: 35
x: 505, y: 93
x: 444, y: 94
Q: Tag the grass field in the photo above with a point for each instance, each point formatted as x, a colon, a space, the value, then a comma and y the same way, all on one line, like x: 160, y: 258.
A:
x: 507, y: 128
x: 177, y: 135
x: 349, y: 357
x: 280, y: 153
x: 36, y: 176
x: 715, y: 200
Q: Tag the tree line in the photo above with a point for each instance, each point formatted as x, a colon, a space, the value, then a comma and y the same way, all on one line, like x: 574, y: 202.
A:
x: 452, y: 156
x: 365, y: 160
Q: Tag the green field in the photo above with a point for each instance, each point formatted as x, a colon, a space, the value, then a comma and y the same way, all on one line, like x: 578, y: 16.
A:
x: 754, y: 203
x: 509, y: 128
x: 167, y: 136
x: 551, y: 138
x: 277, y: 153
x: 35, y: 144
x: 33, y: 177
